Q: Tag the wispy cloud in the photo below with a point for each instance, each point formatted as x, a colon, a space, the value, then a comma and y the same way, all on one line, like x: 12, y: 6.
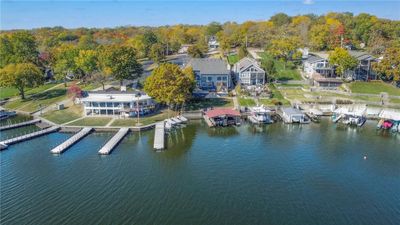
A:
x: 308, y: 2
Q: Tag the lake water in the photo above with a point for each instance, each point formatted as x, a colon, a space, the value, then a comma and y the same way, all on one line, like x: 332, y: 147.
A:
x: 277, y: 174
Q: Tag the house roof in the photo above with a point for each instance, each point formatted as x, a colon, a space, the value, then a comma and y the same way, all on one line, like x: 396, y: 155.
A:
x: 291, y: 111
x: 114, y: 96
x: 360, y: 55
x: 390, y: 114
x: 246, y: 62
x: 314, y: 58
x: 209, y: 66
x: 221, y: 112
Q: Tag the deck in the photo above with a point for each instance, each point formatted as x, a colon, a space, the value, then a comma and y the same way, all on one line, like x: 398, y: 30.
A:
x: 22, y: 124
x: 29, y: 136
x: 159, y: 136
x: 71, y: 141
x: 110, y: 145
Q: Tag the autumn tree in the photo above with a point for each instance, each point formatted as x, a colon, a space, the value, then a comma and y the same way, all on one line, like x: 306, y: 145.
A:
x: 21, y: 76
x: 18, y: 47
x: 389, y: 67
x: 285, y: 49
x: 120, y: 61
x: 87, y: 61
x: 64, y: 63
x: 196, y: 51
x: 342, y: 60
x: 170, y: 85
x: 242, y: 52
x: 74, y: 92
x: 157, y: 52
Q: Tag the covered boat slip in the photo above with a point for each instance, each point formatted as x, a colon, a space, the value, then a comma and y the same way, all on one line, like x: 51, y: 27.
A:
x: 350, y: 115
x: 222, y: 117
x: 260, y: 115
x: 389, y: 119
x: 292, y: 115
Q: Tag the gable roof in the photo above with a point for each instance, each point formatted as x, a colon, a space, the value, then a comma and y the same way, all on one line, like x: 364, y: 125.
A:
x: 246, y: 62
x: 221, y: 112
x: 314, y: 58
x: 209, y: 66
x: 360, y: 55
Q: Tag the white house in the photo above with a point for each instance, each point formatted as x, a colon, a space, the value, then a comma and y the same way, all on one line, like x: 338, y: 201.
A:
x: 213, y: 43
x: 117, y: 103
x: 211, y: 74
x: 248, y: 72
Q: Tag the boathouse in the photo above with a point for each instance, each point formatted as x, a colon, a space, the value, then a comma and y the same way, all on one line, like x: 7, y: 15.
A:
x: 222, y: 117
x: 292, y: 115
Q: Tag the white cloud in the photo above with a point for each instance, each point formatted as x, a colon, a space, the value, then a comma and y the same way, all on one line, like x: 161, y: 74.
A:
x: 308, y: 2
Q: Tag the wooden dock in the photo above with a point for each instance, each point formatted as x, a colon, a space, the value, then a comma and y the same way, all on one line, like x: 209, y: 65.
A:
x: 110, y: 145
x: 22, y: 124
x: 71, y: 141
x: 159, y: 136
x: 29, y: 136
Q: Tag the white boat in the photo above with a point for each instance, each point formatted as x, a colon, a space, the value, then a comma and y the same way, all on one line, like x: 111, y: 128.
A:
x: 183, y: 119
x: 260, y: 115
x: 176, y: 120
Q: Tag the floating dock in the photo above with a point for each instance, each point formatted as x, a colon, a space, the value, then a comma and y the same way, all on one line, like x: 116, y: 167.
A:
x: 28, y: 136
x: 110, y: 145
x: 159, y: 136
x: 22, y: 124
x: 71, y: 141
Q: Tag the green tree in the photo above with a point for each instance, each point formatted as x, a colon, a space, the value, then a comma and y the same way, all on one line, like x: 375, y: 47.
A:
x: 268, y: 65
x: 87, y: 61
x: 149, y: 39
x: 280, y: 19
x: 213, y: 28
x: 389, y: 67
x: 157, y: 52
x: 170, y: 85
x: 196, y: 51
x: 64, y: 63
x: 20, y: 76
x: 242, y: 52
x: 284, y: 48
x: 18, y: 47
x: 342, y: 60
x: 120, y: 61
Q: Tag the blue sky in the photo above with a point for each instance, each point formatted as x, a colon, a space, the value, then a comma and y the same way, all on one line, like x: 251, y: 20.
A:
x: 18, y: 14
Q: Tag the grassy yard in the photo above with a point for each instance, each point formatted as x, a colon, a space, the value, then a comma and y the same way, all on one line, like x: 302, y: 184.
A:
x: 91, y: 121
x: 209, y: 102
x: 8, y: 92
x: 33, y: 103
x: 131, y: 122
x: 277, y: 97
x: 283, y: 69
x: 232, y: 59
x: 373, y: 87
x: 247, y: 102
x: 65, y: 115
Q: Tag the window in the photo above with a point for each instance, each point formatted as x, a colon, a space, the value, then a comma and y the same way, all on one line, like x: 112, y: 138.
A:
x: 224, y: 78
x: 219, y: 78
x: 209, y: 78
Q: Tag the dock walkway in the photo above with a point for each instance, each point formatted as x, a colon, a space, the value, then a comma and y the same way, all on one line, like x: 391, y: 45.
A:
x: 159, y: 136
x: 26, y: 123
x: 110, y: 145
x: 29, y: 136
x: 71, y: 141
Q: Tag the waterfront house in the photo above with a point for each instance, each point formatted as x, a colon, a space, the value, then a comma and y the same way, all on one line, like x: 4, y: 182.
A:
x: 248, y: 72
x: 318, y: 63
x: 222, y: 117
x: 117, y: 103
x: 213, y: 43
x: 363, y: 71
x: 292, y: 115
x: 211, y: 74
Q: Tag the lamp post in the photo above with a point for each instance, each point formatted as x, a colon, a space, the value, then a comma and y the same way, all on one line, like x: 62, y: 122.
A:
x: 137, y: 106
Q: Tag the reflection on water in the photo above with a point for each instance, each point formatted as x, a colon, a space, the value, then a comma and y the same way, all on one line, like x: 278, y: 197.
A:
x: 269, y: 174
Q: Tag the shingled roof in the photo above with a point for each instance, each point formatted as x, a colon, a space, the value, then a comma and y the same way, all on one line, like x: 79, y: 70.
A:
x: 209, y: 66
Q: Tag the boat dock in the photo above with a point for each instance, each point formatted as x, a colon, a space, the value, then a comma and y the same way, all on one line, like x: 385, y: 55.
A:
x: 110, y: 145
x: 22, y: 124
x: 72, y: 140
x: 29, y: 136
x: 159, y: 136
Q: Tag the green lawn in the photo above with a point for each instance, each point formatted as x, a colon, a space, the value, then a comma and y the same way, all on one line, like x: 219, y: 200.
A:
x: 209, y: 102
x: 33, y: 103
x: 373, y: 87
x: 277, y: 97
x: 283, y: 69
x: 247, y: 102
x: 91, y: 121
x: 131, y: 122
x: 232, y: 59
x: 8, y: 92
x: 65, y: 115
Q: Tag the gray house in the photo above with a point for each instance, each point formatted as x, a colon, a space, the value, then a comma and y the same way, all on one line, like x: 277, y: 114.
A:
x: 318, y: 63
x: 364, y: 69
x: 211, y: 74
x: 248, y: 72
